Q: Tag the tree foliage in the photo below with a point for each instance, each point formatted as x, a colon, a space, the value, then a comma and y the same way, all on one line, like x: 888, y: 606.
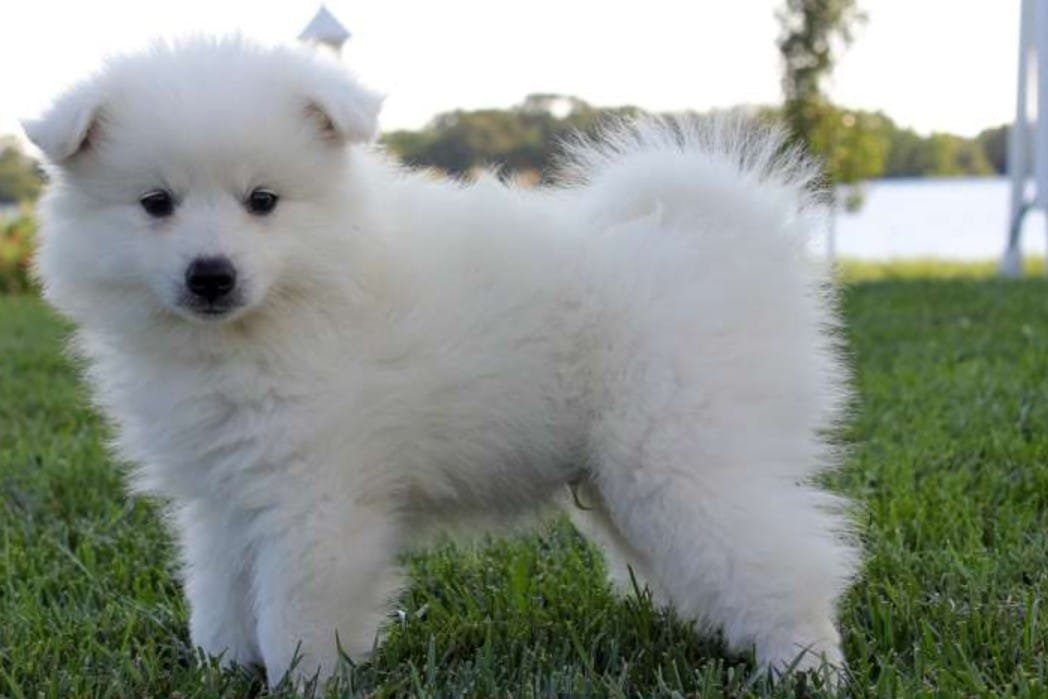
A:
x: 20, y: 176
x: 16, y: 251
x: 521, y: 139
x: 812, y: 35
x: 940, y: 154
x: 994, y: 143
x: 852, y: 144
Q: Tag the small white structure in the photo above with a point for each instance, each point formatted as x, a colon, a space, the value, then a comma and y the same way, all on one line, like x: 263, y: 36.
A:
x: 1033, y: 46
x: 325, y: 30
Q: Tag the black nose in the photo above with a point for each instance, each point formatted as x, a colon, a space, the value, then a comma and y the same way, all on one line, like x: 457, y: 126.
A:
x: 211, y: 278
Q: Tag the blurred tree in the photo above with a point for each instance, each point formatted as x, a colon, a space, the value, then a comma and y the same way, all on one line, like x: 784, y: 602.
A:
x: 943, y: 154
x: 16, y: 252
x: 20, y: 176
x: 994, y: 143
x: 904, y: 153
x: 810, y: 33
x: 852, y: 145
x: 522, y: 139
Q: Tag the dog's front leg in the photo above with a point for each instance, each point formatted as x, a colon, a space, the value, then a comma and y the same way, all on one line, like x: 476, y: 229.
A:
x: 324, y: 579
x: 217, y: 565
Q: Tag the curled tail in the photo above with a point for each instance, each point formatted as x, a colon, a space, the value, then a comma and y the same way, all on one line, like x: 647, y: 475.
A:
x: 715, y: 169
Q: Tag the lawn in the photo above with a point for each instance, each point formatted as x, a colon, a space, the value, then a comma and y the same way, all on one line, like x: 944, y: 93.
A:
x: 948, y: 456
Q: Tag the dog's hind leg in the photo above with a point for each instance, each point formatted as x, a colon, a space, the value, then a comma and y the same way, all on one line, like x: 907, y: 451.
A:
x: 626, y: 567
x: 756, y: 555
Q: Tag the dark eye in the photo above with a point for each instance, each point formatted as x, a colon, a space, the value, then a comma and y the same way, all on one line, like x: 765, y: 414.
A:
x: 261, y: 201
x: 158, y: 204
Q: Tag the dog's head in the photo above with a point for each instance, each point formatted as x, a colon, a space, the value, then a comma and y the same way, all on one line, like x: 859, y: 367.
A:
x: 186, y: 180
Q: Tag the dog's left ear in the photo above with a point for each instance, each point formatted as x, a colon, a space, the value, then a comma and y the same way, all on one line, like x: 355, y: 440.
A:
x: 66, y: 128
x: 344, y: 111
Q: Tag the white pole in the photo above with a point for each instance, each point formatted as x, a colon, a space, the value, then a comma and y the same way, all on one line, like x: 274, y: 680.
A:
x: 1040, y: 158
x: 1018, y: 139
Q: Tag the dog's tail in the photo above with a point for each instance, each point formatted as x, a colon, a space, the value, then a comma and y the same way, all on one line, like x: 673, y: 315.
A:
x: 710, y: 170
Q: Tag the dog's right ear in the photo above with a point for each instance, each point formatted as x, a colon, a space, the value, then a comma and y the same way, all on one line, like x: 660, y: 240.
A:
x: 65, y: 129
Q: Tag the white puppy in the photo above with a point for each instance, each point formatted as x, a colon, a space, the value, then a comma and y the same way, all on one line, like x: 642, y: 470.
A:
x: 317, y: 357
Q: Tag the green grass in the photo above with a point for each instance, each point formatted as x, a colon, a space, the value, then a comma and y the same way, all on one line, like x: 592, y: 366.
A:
x: 948, y: 456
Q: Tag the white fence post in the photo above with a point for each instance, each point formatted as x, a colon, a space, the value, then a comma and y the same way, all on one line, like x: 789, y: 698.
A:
x: 1019, y: 136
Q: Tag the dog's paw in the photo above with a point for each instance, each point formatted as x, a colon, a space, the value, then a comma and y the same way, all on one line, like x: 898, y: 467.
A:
x: 817, y: 654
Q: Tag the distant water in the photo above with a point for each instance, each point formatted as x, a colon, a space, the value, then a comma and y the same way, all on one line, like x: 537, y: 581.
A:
x: 949, y: 218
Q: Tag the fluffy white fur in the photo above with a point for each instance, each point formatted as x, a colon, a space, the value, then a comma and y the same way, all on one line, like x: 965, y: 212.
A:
x: 412, y: 351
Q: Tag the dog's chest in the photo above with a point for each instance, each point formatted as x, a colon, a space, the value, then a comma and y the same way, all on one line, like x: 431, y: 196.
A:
x: 206, y: 434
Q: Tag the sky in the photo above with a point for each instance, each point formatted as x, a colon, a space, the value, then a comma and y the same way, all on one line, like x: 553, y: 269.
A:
x: 932, y: 65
